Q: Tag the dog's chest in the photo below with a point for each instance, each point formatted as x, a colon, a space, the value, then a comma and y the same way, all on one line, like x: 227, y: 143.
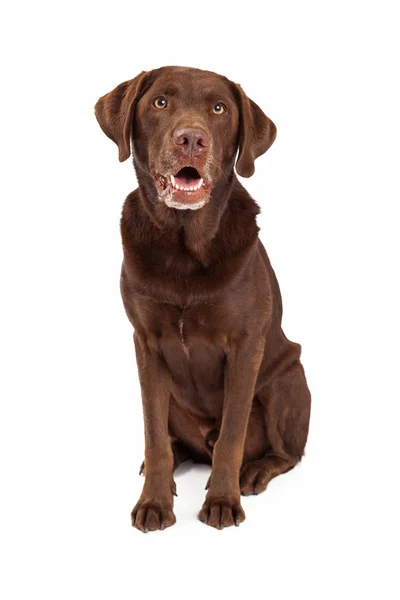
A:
x: 192, y: 342
x: 193, y: 348
x: 191, y: 329
x: 185, y: 346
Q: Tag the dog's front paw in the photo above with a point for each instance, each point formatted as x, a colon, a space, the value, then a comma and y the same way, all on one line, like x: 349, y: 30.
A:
x: 221, y: 512
x: 150, y: 515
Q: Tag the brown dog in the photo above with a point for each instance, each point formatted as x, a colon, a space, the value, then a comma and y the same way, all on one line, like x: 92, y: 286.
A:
x: 220, y: 381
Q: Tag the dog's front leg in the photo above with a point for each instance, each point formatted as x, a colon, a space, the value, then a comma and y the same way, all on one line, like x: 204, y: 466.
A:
x: 222, y: 505
x: 154, y: 509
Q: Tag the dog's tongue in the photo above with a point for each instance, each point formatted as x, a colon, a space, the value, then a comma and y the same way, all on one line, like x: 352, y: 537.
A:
x: 187, y: 177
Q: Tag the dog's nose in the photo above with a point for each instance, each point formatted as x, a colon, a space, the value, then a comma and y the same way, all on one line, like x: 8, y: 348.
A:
x: 191, y: 141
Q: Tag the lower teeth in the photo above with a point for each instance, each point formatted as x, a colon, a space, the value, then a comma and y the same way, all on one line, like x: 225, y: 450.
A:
x: 183, y: 189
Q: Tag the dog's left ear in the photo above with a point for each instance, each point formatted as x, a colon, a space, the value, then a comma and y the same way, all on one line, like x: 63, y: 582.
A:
x: 256, y: 133
x: 115, y: 111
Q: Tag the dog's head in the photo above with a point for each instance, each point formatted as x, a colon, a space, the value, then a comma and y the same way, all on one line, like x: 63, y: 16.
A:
x: 186, y: 127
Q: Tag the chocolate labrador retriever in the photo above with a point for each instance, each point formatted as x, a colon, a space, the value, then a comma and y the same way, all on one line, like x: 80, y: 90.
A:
x: 221, y: 384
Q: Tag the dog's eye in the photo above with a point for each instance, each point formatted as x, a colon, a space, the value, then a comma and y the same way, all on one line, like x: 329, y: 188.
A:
x: 160, y: 102
x: 219, y: 108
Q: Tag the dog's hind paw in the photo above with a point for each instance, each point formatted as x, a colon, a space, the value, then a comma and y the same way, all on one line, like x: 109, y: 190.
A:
x: 254, y: 478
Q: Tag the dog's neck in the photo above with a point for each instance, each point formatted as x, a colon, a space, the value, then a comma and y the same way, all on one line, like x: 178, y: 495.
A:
x: 195, y: 228
x: 198, y: 252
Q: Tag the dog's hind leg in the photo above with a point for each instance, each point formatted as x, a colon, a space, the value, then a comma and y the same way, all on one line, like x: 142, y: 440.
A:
x: 286, y: 403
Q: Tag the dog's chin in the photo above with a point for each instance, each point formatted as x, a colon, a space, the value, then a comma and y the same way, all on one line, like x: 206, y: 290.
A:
x: 186, y: 190
x: 184, y: 200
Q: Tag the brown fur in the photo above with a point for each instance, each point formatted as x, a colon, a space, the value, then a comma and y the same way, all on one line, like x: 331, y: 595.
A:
x: 221, y: 383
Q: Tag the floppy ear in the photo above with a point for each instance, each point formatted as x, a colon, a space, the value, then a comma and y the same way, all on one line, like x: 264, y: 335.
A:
x: 256, y: 134
x: 115, y: 110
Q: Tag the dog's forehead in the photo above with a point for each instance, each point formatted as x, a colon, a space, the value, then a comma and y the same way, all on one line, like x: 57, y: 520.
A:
x: 187, y: 81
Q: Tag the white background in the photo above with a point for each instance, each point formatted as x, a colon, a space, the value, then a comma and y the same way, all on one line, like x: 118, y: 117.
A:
x: 71, y: 423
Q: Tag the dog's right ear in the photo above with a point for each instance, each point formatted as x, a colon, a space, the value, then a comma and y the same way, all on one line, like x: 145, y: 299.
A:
x: 115, y: 111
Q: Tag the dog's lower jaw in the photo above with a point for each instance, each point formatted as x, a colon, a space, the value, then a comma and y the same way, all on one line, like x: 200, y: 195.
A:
x: 182, y: 200
x: 180, y: 206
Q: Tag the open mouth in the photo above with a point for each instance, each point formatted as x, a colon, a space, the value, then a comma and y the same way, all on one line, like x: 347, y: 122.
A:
x: 187, y: 179
x: 184, y: 190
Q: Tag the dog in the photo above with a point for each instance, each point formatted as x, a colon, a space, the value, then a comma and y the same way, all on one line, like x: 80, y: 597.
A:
x: 220, y: 382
